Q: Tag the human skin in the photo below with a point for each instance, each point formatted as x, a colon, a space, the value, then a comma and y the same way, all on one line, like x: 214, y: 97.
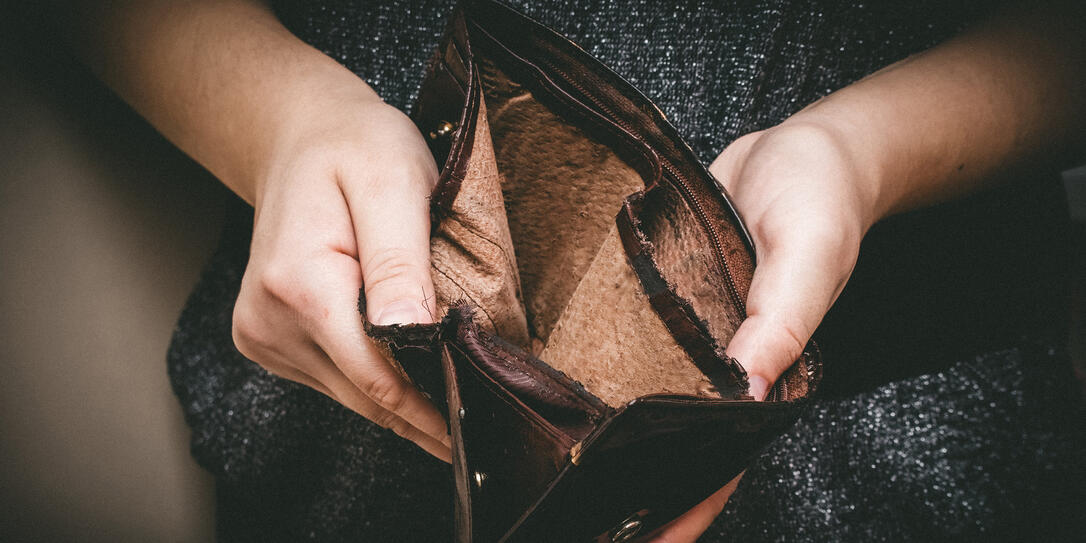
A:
x: 1003, y: 96
x: 339, y: 181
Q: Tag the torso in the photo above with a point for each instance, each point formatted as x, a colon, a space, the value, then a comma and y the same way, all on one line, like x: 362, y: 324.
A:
x: 880, y: 457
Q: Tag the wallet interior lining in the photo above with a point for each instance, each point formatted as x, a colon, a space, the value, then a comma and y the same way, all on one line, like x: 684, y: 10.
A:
x: 560, y: 205
x: 611, y: 340
x: 530, y: 241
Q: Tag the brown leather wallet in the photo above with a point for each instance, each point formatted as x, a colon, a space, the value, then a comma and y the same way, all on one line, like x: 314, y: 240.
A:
x: 590, y: 271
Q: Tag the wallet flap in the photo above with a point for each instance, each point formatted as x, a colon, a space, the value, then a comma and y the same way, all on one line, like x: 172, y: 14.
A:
x: 650, y: 462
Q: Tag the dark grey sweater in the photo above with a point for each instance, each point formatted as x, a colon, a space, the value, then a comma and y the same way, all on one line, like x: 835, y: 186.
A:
x: 946, y: 413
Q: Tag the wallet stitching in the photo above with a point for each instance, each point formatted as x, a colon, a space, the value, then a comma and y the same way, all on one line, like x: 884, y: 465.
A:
x: 510, y: 360
x: 500, y: 352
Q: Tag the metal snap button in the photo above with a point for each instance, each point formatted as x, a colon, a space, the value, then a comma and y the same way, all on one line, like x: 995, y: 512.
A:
x: 628, y: 529
x: 443, y: 129
x: 479, y: 477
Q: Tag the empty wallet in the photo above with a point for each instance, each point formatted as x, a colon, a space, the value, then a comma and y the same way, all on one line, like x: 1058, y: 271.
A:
x: 589, y: 271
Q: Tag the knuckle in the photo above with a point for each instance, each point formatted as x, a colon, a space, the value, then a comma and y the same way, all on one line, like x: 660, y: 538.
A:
x: 401, y: 428
x: 281, y: 283
x: 827, y: 231
x: 384, y: 419
x: 294, y: 290
x: 248, y: 331
x: 398, y: 181
x: 371, y: 182
x: 390, y: 268
x: 792, y: 333
x: 387, y: 392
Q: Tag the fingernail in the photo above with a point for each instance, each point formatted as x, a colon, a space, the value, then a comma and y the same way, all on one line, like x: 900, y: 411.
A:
x: 758, y: 387
x: 402, y: 312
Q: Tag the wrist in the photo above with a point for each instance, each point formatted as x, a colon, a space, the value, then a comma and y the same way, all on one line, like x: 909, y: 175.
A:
x: 868, y: 165
x: 348, y: 137
x: 316, y: 114
x: 841, y: 150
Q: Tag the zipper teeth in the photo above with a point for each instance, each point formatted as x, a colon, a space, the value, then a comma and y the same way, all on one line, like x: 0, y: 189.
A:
x: 688, y: 194
x: 714, y: 237
x: 782, y: 392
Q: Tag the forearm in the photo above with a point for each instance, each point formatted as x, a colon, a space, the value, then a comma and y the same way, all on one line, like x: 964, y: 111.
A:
x: 223, y: 80
x: 942, y: 123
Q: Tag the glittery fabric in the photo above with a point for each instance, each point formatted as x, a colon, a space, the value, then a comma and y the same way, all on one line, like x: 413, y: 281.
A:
x: 943, y: 416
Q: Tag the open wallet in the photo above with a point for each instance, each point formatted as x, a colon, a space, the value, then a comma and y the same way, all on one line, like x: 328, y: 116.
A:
x: 589, y: 271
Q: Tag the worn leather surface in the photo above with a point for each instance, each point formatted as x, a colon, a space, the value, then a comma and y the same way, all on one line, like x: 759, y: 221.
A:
x: 611, y: 340
x: 472, y: 254
x: 570, y: 221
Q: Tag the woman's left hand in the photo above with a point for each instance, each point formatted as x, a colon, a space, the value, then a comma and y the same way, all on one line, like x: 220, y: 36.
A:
x: 932, y: 127
x: 807, y: 202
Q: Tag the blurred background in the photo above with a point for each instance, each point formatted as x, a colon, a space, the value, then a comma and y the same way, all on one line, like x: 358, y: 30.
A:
x: 104, y: 227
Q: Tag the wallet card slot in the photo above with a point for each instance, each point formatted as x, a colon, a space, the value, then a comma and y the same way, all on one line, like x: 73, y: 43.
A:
x: 470, y: 248
x: 679, y: 285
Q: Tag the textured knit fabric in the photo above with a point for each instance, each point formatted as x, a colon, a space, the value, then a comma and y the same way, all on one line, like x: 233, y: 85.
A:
x: 946, y: 414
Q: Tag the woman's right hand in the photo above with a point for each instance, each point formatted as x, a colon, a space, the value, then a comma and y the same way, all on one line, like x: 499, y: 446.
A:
x: 344, y: 205
x: 339, y: 180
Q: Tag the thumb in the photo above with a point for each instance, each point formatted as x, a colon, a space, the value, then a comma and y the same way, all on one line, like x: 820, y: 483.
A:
x: 793, y: 286
x: 392, y: 229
